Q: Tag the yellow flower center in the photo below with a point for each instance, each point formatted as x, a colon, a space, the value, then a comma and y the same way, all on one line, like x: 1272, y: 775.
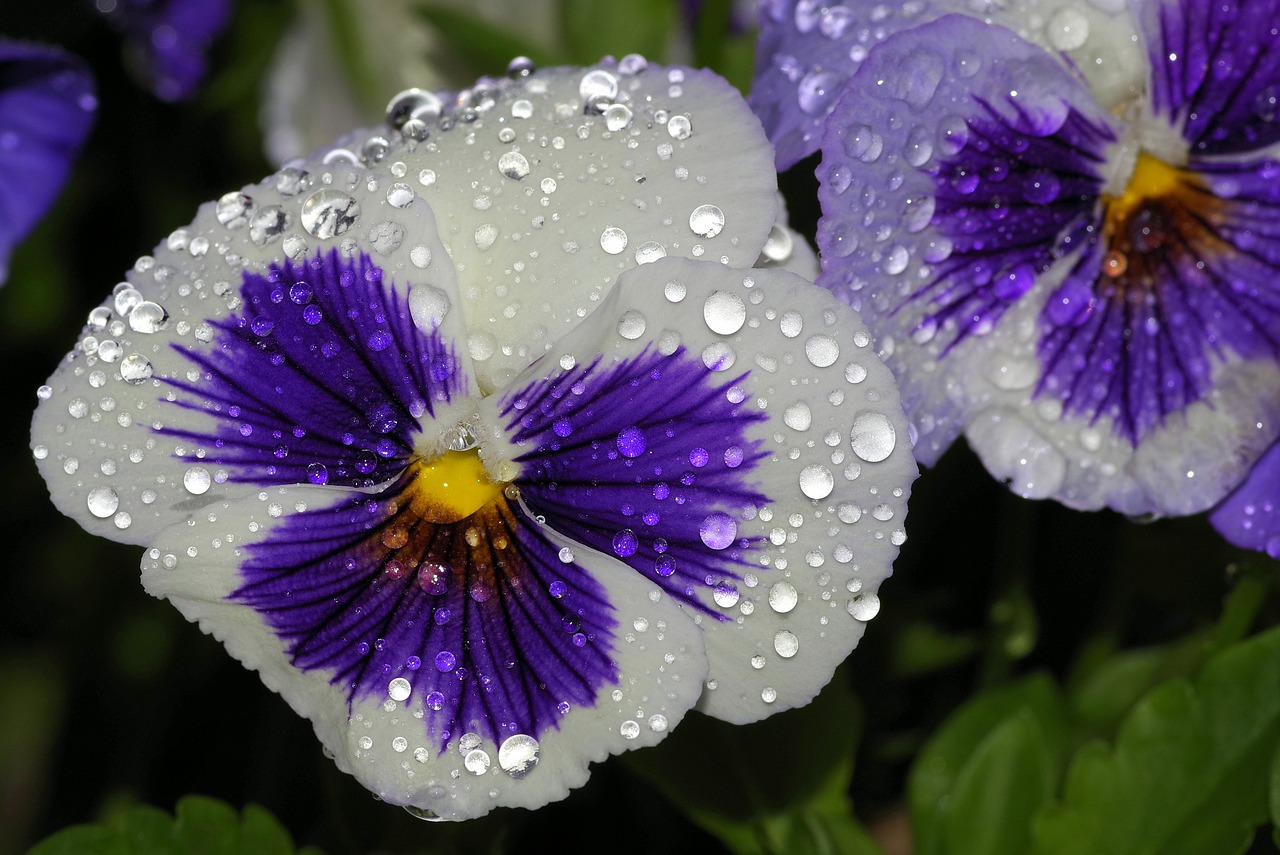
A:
x: 451, y: 487
x: 1152, y: 179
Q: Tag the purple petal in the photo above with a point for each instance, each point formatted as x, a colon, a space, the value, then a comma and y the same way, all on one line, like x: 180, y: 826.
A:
x: 1250, y: 517
x: 495, y: 633
x: 170, y: 39
x: 1215, y: 71
x: 645, y: 482
x: 806, y: 53
x: 47, y: 104
x: 948, y: 191
x: 321, y: 378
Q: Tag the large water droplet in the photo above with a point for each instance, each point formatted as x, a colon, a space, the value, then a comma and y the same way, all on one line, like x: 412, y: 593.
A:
x: 514, y: 165
x: 328, y: 213
x: 613, y: 240
x: 706, y: 221
x: 724, y: 312
x: 818, y: 91
x: 872, y: 436
x: 518, y: 755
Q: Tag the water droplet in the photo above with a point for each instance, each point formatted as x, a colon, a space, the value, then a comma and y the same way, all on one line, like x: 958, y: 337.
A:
x: 725, y: 595
x: 617, y: 117
x: 197, y: 480
x: 514, y: 165
x: 785, y: 643
x: 400, y: 195
x: 650, y: 251
x: 232, y: 209
x: 798, y: 416
x: 629, y: 729
x: 818, y: 90
x: 718, y: 530
x: 518, y: 755
x: 679, y: 127
x: 485, y: 236
x: 613, y: 240
x: 103, y: 502
x: 822, y: 350
x: 596, y: 84
x: 725, y: 312
x: 783, y: 597
x: 1067, y: 29
x: 328, y: 213
x: 872, y: 436
x: 476, y: 761
x: 816, y: 481
x: 674, y: 291
x: 631, y: 441
x: 135, y: 368
x: 706, y: 221
x: 428, y: 306
x: 864, y: 606
x: 631, y: 325
x: 399, y: 689
x: 147, y: 317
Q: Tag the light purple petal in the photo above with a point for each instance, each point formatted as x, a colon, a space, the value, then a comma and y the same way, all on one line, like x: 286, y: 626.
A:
x: 47, y: 104
x: 169, y: 40
x: 947, y: 193
x: 1250, y: 516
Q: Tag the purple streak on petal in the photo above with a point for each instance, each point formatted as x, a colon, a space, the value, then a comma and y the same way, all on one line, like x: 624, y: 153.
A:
x: 1250, y: 516
x: 642, y: 460
x: 1200, y: 280
x: 1215, y: 71
x: 806, y: 52
x: 1022, y: 192
x: 170, y: 39
x: 322, y: 366
x: 498, y: 638
x: 47, y: 104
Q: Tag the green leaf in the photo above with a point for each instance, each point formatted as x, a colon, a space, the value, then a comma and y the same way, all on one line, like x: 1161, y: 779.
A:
x: 778, y: 785
x: 1189, y: 771
x: 594, y: 28
x: 202, y: 826
x: 1010, y: 774
x: 1102, y: 692
x: 482, y: 47
x: 980, y: 739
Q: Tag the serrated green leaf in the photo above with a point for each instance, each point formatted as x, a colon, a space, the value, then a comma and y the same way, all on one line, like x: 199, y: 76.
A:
x: 1189, y: 771
x: 941, y: 763
x: 202, y: 826
x: 593, y: 28
x: 1010, y: 774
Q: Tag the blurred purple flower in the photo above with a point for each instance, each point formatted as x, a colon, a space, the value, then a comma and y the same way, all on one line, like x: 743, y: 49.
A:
x: 47, y: 103
x: 168, y: 39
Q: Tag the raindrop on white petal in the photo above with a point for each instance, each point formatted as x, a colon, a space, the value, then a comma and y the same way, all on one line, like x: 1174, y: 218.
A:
x: 518, y: 755
x: 725, y: 312
x: 485, y: 235
x: 427, y: 306
x: 103, y: 502
x: 631, y: 325
x: 706, y: 221
x: 328, y: 213
x: 783, y: 597
x: 476, y: 761
x: 872, y: 436
x: 135, y: 368
x: 822, y: 350
x: 816, y: 481
x: 514, y: 165
x: 197, y: 480
x: 785, y: 643
x: 399, y: 689
x: 864, y: 606
x: 613, y: 240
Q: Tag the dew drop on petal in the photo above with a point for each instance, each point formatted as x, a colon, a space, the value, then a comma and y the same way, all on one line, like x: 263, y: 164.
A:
x: 783, y: 597
x: 400, y: 195
x: 598, y: 83
x: 822, y: 350
x: 147, y: 317
x: 718, y: 530
x: 103, y: 502
x: 679, y: 127
x: 818, y: 90
x: 197, y: 480
x: 328, y: 213
x: 631, y: 325
x: 674, y: 291
x: 428, y: 306
x: 399, y: 689
x: 613, y: 240
x: 725, y: 312
x: 864, y: 606
x: 798, y: 416
x: 514, y: 165
x: 518, y: 755
x: 768, y: 694
x: 725, y: 595
x: 816, y: 481
x: 629, y: 729
x: 485, y: 235
x: 632, y: 441
x: 135, y: 368
x: 872, y: 436
x: 476, y: 761
x: 650, y: 251
x: 785, y: 643
x: 706, y: 221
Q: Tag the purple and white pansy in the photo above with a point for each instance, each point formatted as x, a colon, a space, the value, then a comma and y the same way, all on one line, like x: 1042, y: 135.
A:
x: 47, y: 105
x: 1073, y: 264
x: 481, y: 439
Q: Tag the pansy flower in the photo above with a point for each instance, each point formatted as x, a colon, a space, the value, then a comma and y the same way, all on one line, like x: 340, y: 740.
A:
x: 478, y: 436
x: 166, y: 40
x: 1075, y: 267
x: 47, y: 105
